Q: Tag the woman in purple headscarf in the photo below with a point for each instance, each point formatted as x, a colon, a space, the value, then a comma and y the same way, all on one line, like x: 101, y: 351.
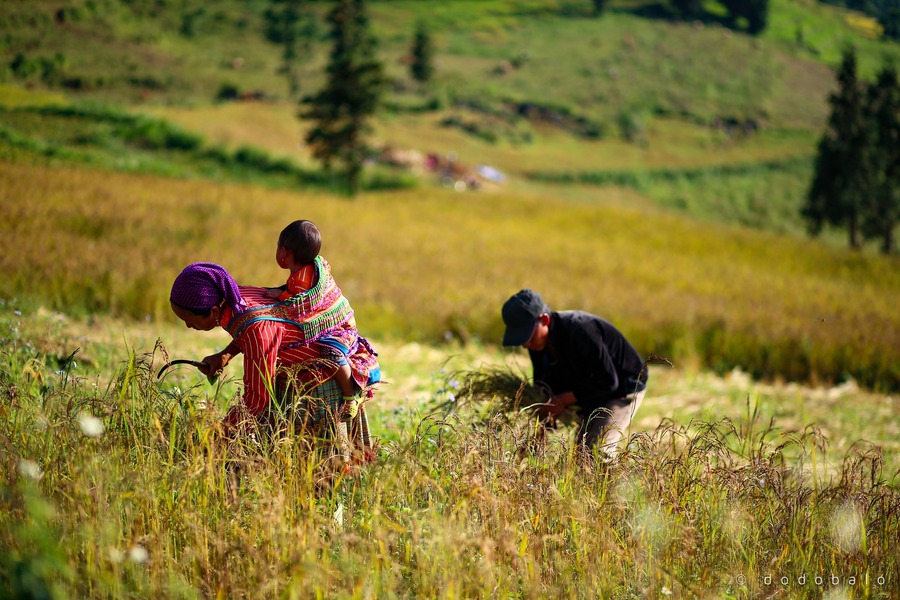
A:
x: 275, y: 341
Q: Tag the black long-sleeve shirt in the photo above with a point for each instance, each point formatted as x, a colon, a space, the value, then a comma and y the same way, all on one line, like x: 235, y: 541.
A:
x: 588, y: 356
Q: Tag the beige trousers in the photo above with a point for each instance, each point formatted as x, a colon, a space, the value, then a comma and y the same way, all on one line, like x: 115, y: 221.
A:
x: 607, y: 425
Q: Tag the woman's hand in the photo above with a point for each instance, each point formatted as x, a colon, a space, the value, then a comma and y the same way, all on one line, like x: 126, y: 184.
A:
x: 215, y: 363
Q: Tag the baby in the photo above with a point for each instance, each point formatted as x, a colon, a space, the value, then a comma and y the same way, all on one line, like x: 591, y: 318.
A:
x: 298, y: 247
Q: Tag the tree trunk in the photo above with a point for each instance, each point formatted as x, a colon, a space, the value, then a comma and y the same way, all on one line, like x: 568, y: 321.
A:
x: 887, y: 245
x: 853, y: 228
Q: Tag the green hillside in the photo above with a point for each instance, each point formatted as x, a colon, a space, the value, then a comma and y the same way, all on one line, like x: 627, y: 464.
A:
x: 695, y: 117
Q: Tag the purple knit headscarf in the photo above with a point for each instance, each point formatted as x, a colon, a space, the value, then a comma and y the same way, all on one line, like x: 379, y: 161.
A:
x: 200, y: 286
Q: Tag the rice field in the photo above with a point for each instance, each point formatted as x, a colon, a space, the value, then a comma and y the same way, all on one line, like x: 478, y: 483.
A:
x: 426, y: 264
x: 114, y: 484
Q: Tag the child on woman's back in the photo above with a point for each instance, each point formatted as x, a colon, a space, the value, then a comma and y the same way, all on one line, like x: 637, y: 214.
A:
x: 298, y: 247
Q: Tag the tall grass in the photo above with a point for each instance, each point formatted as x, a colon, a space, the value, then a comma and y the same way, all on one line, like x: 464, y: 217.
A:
x: 125, y: 490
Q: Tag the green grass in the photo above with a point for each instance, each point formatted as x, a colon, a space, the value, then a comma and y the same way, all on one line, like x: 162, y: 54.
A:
x: 595, y: 67
x: 105, y: 137
x: 722, y: 480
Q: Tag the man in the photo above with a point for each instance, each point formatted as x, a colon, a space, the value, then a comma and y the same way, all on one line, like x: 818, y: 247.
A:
x: 584, y: 361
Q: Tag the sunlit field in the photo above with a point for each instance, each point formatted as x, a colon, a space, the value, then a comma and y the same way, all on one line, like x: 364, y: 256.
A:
x: 654, y: 170
x: 117, y: 483
x: 423, y: 264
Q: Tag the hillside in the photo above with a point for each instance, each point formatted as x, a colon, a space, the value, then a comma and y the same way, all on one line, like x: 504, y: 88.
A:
x: 694, y: 117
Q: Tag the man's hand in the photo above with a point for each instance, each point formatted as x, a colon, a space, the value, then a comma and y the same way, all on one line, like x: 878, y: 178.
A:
x: 556, y: 405
x: 273, y: 293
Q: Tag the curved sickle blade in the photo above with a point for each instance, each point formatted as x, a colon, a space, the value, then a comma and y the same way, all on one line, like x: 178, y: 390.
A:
x: 180, y: 361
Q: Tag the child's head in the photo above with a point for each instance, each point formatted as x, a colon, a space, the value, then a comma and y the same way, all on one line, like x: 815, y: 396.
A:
x: 300, y: 241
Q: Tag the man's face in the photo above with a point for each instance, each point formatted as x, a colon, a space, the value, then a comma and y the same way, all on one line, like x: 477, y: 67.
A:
x: 198, y: 322
x: 538, y: 339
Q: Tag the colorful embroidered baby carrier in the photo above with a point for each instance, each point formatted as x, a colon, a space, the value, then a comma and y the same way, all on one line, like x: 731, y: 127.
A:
x: 322, y: 310
x: 322, y: 315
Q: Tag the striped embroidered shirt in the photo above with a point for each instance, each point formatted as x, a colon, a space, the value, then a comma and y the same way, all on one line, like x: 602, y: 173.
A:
x: 264, y: 345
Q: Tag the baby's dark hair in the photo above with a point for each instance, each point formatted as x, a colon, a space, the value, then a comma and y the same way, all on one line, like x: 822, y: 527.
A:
x: 302, y: 239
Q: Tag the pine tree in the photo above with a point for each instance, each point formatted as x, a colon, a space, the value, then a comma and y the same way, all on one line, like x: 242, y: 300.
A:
x: 350, y: 96
x: 599, y: 7
x: 881, y: 208
x: 688, y: 9
x: 839, y: 182
x: 422, y: 66
x: 756, y: 12
x: 289, y: 24
x: 757, y: 16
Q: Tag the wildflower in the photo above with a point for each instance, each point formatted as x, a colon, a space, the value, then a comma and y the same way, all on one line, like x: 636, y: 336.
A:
x: 90, y: 425
x: 846, y: 527
x: 30, y: 469
x: 451, y: 397
x: 138, y: 554
x: 18, y: 313
x: 339, y: 515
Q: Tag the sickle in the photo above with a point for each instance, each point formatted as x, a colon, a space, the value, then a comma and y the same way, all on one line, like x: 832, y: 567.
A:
x: 180, y: 361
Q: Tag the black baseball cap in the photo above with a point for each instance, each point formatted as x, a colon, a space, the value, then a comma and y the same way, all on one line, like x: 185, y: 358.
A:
x: 520, y: 313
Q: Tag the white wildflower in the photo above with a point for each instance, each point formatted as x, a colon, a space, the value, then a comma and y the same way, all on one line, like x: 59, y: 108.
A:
x: 138, y: 554
x: 90, y: 425
x: 846, y: 527
x: 30, y: 469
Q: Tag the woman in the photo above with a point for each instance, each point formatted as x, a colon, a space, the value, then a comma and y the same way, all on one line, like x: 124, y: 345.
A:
x: 275, y: 341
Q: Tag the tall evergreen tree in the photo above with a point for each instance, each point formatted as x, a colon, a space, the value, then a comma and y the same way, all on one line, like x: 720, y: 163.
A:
x: 881, y: 207
x: 890, y: 21
x: 422, y: 65
x: 756, y: 12
x: 291, y: 25
x: 350, y: 96
x: 839, y: 182
x: 688, y: 9
x: 599, y: 7
x: 757, y: 16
